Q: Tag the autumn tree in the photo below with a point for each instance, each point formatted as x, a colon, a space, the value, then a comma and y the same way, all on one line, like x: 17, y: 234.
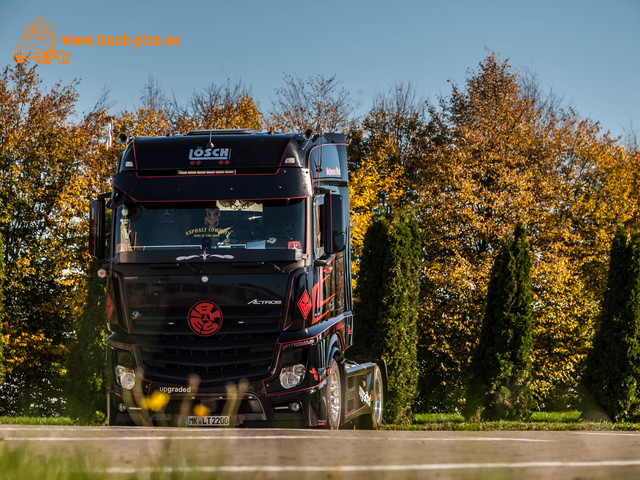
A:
x: 611, y: 379
x: 50, y: 165
x: 317, y: 102
x: 150, y: 117
x: 216, y: 106
x: 500, y: 381
x: 498, y: 153
x: 383, y: 159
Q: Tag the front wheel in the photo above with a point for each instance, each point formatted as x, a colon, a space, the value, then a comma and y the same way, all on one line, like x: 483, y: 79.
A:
x: 334, y: 397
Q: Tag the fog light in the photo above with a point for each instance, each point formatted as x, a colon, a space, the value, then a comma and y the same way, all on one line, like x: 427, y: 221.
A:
x: 126, y: 377
x: 292, y: 376
x: 295, y: 406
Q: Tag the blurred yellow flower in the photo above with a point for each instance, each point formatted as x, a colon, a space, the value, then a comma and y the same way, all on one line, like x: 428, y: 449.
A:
x: 156, y: 402
x: 201, y: 411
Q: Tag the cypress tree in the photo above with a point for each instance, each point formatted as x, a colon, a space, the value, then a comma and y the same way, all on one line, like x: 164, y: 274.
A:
x: 369, y: 290
x: 2, y: 367
x: 386, y: 313
x: 610, y: 382
x: 500, y: 376
x: 399, y: 314
x: 86, y: 364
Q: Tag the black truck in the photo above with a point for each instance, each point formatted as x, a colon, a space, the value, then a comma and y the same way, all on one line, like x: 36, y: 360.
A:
x: 228, y: 265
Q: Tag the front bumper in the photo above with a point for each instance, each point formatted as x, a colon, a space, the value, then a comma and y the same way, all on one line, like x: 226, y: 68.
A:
x: 245, y: 404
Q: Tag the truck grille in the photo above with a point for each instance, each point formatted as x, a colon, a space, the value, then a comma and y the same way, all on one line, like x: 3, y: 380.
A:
x: 244, y: 347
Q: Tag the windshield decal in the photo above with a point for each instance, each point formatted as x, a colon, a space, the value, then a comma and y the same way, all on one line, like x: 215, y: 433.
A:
x: 204, y: 256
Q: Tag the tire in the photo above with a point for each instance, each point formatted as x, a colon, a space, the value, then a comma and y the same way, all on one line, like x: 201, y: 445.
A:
x: 373, y: 420
x: 334, y: 397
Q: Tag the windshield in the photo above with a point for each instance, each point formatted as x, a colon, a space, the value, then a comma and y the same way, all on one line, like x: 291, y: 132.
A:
x: 217, y: 225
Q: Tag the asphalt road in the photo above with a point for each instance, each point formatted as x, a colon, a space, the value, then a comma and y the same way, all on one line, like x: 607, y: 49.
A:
x: 349, y: 454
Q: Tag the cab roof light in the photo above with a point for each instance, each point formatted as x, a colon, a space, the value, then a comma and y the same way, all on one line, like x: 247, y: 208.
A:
x: 236, y: 131
x: 206, y: 172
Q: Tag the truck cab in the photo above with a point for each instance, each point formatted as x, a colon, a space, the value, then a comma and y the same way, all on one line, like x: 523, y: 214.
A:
x: 229, y: 283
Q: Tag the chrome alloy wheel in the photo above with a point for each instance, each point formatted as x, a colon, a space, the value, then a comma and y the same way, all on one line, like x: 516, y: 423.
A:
x: 334, y: 397
x: 378, y: 398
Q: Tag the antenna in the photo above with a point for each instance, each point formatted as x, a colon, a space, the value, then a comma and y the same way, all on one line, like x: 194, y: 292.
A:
x: 319, y: 165
x: 210, y: 140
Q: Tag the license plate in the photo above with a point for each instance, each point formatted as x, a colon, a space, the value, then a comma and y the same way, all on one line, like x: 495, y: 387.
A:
x: 209, y: 421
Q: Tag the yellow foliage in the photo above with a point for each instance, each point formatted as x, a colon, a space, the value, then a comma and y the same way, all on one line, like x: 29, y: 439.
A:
x: 367, y: 183
x: 498, y: 155
x: 29, y: 351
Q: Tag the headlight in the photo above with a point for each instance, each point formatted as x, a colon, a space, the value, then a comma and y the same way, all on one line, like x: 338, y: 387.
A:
x: 126, y: 377
x: 292, y: 376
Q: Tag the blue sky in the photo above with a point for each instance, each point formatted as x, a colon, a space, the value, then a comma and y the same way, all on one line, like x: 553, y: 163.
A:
x: 587, y: 51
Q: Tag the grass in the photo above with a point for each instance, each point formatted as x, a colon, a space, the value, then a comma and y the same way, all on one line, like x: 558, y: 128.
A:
x: 549, y: 417
x: 22, y: 463
x: 561, y: 417
x: 37, y: 421
x: 569, y: 420
x: 539, y: 421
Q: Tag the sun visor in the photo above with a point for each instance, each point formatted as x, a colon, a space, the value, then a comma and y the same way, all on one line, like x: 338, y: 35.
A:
x: 286, y: 183
x: 204, y: 152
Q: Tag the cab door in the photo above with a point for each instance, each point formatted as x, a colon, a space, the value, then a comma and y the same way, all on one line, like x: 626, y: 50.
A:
x: 323, y: 282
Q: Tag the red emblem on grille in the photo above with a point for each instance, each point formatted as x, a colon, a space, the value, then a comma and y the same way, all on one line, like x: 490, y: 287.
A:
x: 304, y: 304
x: 205, y: 318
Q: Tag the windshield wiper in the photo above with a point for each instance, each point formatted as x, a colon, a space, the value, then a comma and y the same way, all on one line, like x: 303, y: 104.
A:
x: 193, y: 268
x: 276, y: 267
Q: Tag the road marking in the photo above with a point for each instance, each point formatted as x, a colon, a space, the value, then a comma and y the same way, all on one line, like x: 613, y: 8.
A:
x: 268, y: 437
x: 372, y: 468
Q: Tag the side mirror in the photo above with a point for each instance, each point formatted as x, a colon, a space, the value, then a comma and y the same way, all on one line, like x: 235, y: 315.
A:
x: 97, y: 239
x: 335, y: 236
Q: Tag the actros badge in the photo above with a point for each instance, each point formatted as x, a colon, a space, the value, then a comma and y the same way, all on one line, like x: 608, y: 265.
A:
x: 205, y: 318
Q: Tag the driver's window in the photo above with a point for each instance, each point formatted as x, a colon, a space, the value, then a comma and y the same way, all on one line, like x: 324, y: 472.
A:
x: 318, y: 224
